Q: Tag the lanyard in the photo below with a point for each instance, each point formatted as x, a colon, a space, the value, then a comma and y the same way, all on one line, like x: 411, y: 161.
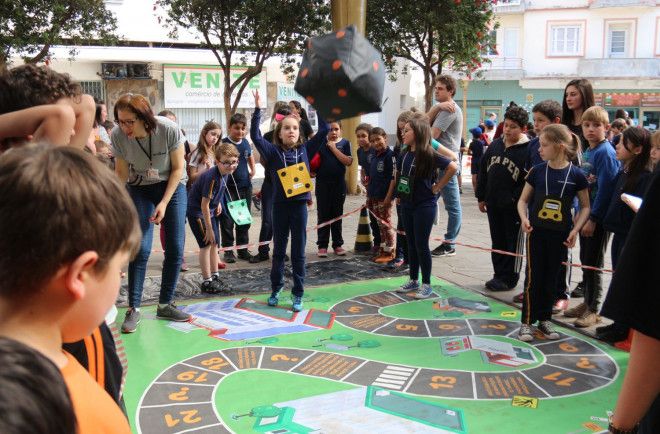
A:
x: 144, y: 150
x: 284, y: 157
x: 412, y: 163
x: 565, y: 180
x: 238, y: 195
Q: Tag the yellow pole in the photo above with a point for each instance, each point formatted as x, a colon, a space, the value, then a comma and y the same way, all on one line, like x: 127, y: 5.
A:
x: 345, y: 12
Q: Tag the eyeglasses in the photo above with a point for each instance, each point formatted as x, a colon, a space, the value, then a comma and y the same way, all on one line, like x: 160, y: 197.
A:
x: 229, y: 163
x: 126, y: 123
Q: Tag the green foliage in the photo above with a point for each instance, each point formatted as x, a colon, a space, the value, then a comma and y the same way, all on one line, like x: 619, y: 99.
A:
x: 31, y: 27
x: 432, y: 34
x: 248, y: 32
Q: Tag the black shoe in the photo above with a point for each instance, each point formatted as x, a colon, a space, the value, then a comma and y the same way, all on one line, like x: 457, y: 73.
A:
x: 605, y: 329
x: 578, y: 292
x: 286, y: 258
x: 617, y: 334
x: 443, y: 249
x: 212, y: 286
x: 229, y: 257
x: 259, y: 258
x: 244, y: 255
x: 256, y: 202
x: 497, y: 285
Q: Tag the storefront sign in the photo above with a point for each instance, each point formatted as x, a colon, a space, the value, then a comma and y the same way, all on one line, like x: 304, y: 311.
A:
x: 632, y: 99
x: 201, y: 86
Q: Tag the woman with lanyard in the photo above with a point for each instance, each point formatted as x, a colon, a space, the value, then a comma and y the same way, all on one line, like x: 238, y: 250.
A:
x: 152, y: 149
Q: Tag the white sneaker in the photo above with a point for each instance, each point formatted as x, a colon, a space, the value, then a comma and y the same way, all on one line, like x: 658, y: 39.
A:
x: 424, y: 292
x: 411, y: 285
x: 525, y: 334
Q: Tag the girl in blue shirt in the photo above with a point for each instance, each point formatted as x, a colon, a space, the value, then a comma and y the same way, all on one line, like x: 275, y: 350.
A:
x: 418, y: 186
x: 289, y: 209
x: 551, y: 187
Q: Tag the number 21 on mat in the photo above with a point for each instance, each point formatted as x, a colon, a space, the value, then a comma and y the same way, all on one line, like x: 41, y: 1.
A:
x: 189, y: 417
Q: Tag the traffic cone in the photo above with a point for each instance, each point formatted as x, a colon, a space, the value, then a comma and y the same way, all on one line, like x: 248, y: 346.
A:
x: 625, y: 345
x: 363, y: 240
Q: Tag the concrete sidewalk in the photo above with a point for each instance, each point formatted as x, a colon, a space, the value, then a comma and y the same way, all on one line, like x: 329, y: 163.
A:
x: 470, y: 268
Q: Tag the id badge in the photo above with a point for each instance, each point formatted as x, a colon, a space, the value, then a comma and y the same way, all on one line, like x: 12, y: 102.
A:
x: 152, y: 174
x: 403, y: 187
x: 295, y: 179
x: 239, y: 212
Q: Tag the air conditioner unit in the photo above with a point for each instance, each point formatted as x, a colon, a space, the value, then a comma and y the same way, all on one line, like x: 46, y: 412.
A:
x: 119, y: 71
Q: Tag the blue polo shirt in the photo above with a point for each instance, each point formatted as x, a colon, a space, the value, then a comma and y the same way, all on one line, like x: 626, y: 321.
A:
x: 364, y: 159
x: 210, y: 184
x: 331, y: 169
x: 381, y: 172
x: 422, y: 191
x: 241, y: 174
x: 277, y: 158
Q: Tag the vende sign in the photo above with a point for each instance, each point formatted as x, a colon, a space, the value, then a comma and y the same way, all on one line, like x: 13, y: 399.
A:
x: 201, y: 86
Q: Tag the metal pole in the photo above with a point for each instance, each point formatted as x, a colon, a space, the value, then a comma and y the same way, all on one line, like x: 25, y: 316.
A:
x: 345, y: 12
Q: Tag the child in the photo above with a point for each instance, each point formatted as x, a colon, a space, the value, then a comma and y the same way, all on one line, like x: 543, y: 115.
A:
x: 289, y: 213
x: 364, y: 155
x: 418, y: 187
x: 33, y: 396
x: 203, y: 157
x: 476, y: 149
x: 600, y: 166
x: 655, y: 150
x: 551, y: 186
x: 380, y: 191
x: 204, y: 204
x: 80, y: 253
x: 239, y: 186
x: 617, y: 127
x: 633, y: 151
x: 331, y: 189
x: 500, y: 182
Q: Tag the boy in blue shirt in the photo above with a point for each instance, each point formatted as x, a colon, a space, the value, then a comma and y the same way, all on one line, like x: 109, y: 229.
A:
x: 600, y: 166
x: 204, y: 204
x: 239, y: 186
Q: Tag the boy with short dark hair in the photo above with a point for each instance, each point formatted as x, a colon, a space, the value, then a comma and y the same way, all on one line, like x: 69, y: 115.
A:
x: 544, y: 113
x: 499, y: 185
x: 600, y: 165
x: 239, y: 186
x: 80, y: 248
x: 204, y: 204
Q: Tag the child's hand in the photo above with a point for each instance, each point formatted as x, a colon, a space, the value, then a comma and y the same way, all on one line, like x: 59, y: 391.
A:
x: 257, y: 99
x: 209, y: 237
x: 159, y: 213
x: 526, y: 226
x: 482, y: 206
x: 588, y: 228
x: 331, y: 144
x: 570, y: 241
x: 387, y: 202
x: 218, y: 210
x: 365, y: 181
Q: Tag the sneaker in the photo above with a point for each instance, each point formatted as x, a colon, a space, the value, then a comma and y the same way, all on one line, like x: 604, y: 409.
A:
x: 525, y: 334
x: 384, y: 258
x: 443, y: 249
x: 131, y: 321
x: 616, y: 333
x: 411, y: 285
x: 560, y: 305
x: 578, y: 292
x: 287, y: 259
x: 322, y: 253
x: 230, y: 258
x: 296, y: 303
x: 548, y: 331
x: 497, y: 285
x: 274, y: 297
x: 184, y: 267
x: 339, y: 251
x: 244, y: 255
x: 575, y: 312
x: 588, y: 319
x: 172, y: 313
x: 211, y: 286
x: 519, y: 298
x: 395, y: 264
x: 259, y: 258
x: 424, y: 292
x: 256, y: 201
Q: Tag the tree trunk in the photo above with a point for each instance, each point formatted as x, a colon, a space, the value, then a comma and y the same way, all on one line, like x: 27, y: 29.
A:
x: 227, y: 95
x: 428, y: 95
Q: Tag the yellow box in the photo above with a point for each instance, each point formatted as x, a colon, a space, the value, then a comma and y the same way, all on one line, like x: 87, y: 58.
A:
x: 295, y: 179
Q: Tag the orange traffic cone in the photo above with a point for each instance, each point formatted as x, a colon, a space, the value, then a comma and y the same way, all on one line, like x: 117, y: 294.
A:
x: 625, y: 345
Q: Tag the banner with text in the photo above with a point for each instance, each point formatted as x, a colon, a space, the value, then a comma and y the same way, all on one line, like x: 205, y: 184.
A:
x: 201, y: 86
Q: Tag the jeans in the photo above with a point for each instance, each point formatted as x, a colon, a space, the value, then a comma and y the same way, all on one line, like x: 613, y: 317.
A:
x: 418, y: 222
x: 451, y: 198
x: 288, y: 217
x: 145, y: 198
x: 266, y: 231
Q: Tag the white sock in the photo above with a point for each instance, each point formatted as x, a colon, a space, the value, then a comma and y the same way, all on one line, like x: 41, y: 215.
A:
x: 162, y: 305
x: 208, y: 279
